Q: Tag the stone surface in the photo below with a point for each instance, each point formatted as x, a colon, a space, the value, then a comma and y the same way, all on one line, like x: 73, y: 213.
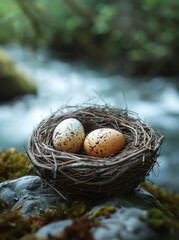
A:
x: 29, y: 194
x: 53, y: 228
x: 123, y: 224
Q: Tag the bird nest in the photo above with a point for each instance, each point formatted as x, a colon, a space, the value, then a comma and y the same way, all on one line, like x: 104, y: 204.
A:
x: 82, y: 176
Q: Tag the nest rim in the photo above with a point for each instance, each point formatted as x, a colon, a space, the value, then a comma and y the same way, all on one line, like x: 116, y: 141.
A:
x: 143, y: 144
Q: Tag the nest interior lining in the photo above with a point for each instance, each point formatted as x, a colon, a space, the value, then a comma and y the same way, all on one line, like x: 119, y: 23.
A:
x: 78, y: 174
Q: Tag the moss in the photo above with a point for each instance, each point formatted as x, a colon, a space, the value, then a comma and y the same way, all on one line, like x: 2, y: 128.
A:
x: 160, y: 221
x: 3, y: 205
x: 104, y: 211
x: 12, y: 225
x: 78, y: 208
x: 54, y: 213
x: 64, y: 211
x: 13, y: 165
x: 77, y: 211
x: 165, y: 216
x: 170, y: 201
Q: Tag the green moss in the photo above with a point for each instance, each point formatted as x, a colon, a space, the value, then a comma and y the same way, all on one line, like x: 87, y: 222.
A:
x: 169, y: 201
x: 3, y: 205
x: 78, y: 208
x: 160, y: 221
x: 13, y: 165
x: 77, y: 211
x: 54, y: 213
x: 165, y: 216
x: 63, y: 211
x: 104, y: 211
x: 12, y: 225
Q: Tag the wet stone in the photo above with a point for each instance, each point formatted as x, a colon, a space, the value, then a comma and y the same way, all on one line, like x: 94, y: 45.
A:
x: 28, y: 193
x: 124, y: 223
x: 121, y: 222
x: 53, y: 229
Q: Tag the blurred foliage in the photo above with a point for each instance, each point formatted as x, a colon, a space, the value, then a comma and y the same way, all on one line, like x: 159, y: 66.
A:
x: 12, y: 225
x: 164, y: 218
x: 160, y: 221
x: 104, y: 211
x: 170, y: 200
x: 134, y: 31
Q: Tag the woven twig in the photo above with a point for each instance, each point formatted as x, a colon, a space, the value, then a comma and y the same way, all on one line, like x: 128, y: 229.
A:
x: 78, y: 175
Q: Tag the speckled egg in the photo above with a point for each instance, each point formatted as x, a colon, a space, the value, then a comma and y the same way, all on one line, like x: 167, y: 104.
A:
x: 68, y: 135
x: 103, y: 142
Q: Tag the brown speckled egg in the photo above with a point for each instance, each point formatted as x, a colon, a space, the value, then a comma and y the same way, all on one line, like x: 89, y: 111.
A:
x: 68, y: 135
x: 103, y: 142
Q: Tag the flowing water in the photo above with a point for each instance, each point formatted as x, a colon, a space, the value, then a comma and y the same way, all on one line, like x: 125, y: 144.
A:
x: 156, y: 100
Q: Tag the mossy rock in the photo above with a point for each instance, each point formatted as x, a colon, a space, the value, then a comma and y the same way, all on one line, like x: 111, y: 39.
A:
x: 13, y: 82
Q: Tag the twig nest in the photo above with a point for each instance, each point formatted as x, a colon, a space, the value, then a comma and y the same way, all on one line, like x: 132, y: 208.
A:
x: 84, y: 174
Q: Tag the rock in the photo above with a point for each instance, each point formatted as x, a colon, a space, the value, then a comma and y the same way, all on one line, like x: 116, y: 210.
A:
x: 123, y: 222
x: 53, y: 228
x: 12, y: 81
x: 28, y: 193
x: 139, y: 199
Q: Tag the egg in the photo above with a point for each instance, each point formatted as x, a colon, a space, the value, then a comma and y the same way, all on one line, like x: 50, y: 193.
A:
x: 68, y: 135
x: 103, y: 142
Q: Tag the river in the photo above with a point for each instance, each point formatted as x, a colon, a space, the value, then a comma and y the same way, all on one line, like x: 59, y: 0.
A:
x: 155, y: 99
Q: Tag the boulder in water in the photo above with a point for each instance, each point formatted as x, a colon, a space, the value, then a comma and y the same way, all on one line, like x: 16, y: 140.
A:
x: 13, y: 82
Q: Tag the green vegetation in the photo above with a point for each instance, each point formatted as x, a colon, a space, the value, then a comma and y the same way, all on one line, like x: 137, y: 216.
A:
x: 3, y: 205
x: 13, y: 226
x: 170, y: 201
x: 104, y: 211
x: 13, y: 165
x: 138, y: 35
x: 165, y: 217
x: 160, y: 221
x: 63, y: 211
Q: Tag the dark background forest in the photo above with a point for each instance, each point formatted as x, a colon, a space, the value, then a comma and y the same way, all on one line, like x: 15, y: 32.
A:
x: 131, y: 37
